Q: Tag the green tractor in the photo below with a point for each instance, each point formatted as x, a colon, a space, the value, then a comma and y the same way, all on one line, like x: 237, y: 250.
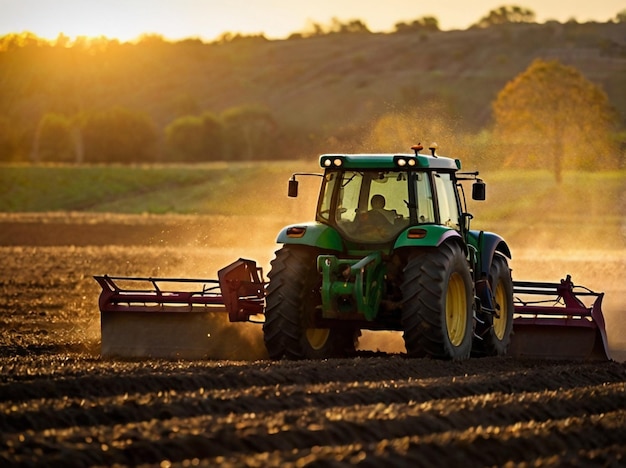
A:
x: 390, y: 249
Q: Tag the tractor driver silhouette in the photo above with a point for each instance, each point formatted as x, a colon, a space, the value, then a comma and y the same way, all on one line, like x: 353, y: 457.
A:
x: 378, y: 206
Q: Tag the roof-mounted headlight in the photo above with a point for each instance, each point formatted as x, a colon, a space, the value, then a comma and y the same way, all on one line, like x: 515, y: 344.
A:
x: 330, y: 160
x: 404, y: 161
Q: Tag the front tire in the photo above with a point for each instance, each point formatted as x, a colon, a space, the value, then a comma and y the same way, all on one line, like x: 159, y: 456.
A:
x: 292, y: 299
x: 437, y: 316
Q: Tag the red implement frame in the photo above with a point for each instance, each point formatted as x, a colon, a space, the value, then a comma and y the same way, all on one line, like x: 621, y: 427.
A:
x: 139, y: 317
x: 552, y: 321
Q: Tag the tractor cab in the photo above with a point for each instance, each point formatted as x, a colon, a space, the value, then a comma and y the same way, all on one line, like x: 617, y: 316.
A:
x: 373, y: 198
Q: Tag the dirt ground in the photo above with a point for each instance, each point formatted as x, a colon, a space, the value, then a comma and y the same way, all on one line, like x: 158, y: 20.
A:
x: 62, y: 405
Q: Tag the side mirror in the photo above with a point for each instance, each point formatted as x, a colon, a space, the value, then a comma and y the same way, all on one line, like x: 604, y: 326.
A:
x: 293, y: 188
x: 479, y: 190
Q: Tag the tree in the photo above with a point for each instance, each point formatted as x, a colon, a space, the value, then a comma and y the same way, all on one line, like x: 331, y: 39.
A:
x: 336, y: 27
x: 621, y: 16
x: 229, y: 37
x: 352, y: 26
x: 53, y: 139
x: 425, y: 23
x: 9, y: 140
x: 551, y: 111
x: 251, y: 132
x: 195, y: 138
x: 506, y: 15
x: 14, y: 41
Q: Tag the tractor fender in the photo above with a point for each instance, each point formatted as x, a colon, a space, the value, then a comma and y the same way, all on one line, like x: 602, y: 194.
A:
x: 313, y: 234
x: 428, y: 236
x: 487, y: 244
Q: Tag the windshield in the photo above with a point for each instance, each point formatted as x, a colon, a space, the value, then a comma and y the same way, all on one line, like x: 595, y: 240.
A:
x: 374, y: 206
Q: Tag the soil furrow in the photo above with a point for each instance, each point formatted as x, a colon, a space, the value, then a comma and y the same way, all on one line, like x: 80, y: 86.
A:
x: 170, y: 403
x: 265, y: 430
x: 111, y: 382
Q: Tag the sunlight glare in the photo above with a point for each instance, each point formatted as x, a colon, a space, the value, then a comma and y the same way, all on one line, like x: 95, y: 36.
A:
x: 127, y: 20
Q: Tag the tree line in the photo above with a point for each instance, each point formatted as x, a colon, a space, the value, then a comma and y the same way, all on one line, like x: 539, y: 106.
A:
x: 121, y: 135
x: 536, y: 124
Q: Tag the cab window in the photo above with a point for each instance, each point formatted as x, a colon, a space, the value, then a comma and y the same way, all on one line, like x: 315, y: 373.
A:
x: 446, y: 196
x: 326, y: 196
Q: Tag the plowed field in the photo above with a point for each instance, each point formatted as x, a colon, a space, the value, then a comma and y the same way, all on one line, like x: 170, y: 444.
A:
x: 62, y: 405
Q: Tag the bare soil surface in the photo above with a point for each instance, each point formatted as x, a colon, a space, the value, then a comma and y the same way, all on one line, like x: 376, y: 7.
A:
x: 62, y: 405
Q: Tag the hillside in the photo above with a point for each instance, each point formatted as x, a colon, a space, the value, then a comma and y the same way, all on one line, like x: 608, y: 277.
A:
x: 322, y: 91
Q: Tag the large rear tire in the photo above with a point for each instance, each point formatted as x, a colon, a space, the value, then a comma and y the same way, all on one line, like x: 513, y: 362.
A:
x: 437, y: 315
x: 292, y: 298
x: 497, y: 329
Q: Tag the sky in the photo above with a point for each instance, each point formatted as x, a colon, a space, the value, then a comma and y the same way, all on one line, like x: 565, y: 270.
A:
x: 276, y: 19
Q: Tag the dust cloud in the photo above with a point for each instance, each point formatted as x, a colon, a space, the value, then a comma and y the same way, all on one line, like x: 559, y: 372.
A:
x: 199, y: 246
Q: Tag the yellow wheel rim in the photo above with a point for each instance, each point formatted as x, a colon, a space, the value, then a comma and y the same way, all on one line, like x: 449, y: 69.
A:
x: 317, y: 337
x: 456, y: 310
x: 502, y: 307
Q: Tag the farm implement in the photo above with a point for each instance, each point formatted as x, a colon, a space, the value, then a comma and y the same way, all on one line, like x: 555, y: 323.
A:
x: 553, y: 321
x: 391, y: 248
